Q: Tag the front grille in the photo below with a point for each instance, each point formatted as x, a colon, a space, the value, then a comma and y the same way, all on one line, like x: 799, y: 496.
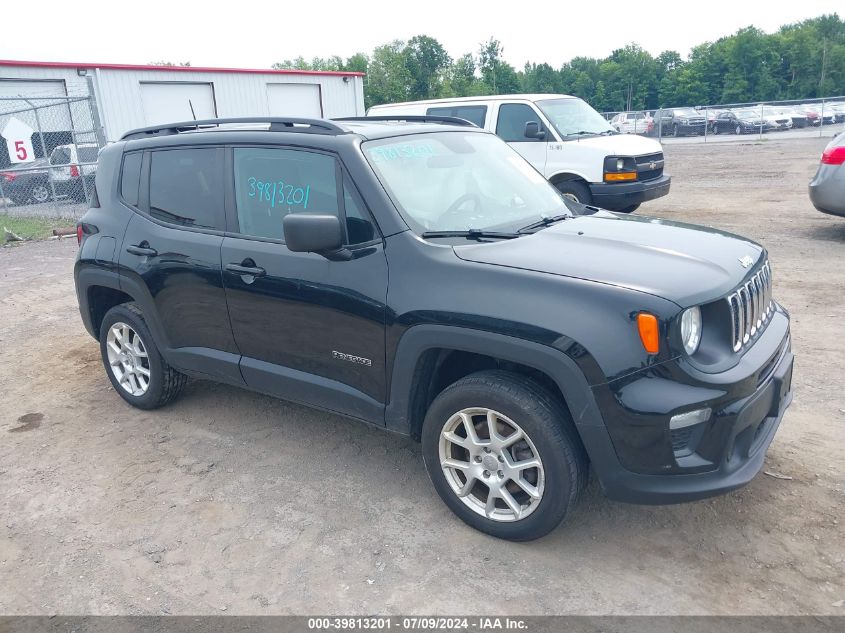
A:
x: 645, y: 171
x: 751, y: 306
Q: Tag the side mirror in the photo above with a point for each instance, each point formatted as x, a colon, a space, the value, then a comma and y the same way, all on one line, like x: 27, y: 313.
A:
x: 532, y: 130
x: 306, y: 233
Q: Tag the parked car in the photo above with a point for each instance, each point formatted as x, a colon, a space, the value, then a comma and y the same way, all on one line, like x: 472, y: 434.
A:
x: 838, y: 111
x: 819, y: 114
x: 799, y: 119
x: 632, y: 123
x: 74, y: 168
x: 567, y: 141
x: 679, y: 121
x: 777, y: 119
x: 827, y: 189
x: 30, y: 184
x: 424, y: 278
x: 739, y: 122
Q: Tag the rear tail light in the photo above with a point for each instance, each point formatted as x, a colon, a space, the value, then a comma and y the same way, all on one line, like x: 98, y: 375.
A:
x: 9, y: 177
x: 834, y: 156
x: 79, y: 234
x: 74, y: 171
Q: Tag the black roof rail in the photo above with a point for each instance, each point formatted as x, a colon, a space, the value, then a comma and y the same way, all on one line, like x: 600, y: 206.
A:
x: 277, y: 124
x: 411, y: 118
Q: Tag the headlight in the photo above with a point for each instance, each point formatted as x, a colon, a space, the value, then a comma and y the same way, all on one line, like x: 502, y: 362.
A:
x: 691, y: 329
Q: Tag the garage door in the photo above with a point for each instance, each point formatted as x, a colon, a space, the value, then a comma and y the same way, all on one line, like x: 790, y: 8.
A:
x: 29, y: 88
x: 174, y: 102
x: 294, y: 100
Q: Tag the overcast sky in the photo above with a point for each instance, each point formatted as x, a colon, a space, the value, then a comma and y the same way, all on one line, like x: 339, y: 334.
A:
x: 250, y: 34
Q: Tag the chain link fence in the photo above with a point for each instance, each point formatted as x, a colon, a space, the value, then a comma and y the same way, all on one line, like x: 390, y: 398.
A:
x: 48, y: 155
x: 790, y: 119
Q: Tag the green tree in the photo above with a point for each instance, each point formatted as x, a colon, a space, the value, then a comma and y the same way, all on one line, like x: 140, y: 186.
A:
x: 425, y: 60
x: 500, y: 77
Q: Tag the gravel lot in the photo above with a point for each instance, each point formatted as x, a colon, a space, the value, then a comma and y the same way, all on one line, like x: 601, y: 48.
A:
x: 232, y: 501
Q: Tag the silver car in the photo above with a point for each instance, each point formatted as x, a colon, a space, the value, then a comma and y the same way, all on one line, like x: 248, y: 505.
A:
x: 827, y: 188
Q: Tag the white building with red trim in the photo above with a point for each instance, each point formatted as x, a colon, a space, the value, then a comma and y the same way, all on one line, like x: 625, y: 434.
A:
x: 129, y: 96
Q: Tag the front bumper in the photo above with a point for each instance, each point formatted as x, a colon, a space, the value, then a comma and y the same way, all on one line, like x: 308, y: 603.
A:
x: 638, y: 459
x: 619, y: 195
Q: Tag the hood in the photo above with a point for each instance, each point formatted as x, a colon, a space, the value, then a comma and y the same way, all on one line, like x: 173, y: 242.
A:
x: 683, y: 263
x: 620, y: 144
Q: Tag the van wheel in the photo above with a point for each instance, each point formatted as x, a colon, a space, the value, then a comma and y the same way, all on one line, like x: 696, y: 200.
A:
x: 135, y: 367
x: 504, y: 455
x: 575, y: 191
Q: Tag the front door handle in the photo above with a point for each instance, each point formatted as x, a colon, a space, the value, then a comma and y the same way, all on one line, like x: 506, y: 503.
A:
x: 240, y: 269
x: 143, y: 249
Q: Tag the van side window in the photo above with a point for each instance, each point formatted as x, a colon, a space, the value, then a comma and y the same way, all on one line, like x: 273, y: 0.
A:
x: 512, y: 119
x: 186, y: 187
x: 474, y: 114
x: 130, y: 178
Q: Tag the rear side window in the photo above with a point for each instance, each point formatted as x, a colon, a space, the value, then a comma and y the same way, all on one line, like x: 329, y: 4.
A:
x: 474, y: 113
x: 130, y: 178
x: 186, y: 187
x: 512, y: 119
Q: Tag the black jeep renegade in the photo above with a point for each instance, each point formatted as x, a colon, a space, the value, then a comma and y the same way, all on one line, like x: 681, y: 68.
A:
x: 420, y: 276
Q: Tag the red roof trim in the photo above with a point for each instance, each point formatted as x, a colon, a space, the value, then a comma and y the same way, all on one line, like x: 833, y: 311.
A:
x: 186, y: 69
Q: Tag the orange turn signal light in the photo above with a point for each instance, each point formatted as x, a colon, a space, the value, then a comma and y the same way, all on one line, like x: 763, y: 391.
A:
x: 649, y: 332
x: 620, y: 176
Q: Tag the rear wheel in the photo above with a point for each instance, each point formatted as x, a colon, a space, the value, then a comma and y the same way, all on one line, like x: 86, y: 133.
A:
x: 575, y: 191
x: 136, y: 369
x: 503, y: 454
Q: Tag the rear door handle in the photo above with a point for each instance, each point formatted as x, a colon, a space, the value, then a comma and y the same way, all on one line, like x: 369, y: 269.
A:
x: 239, y: 269
x: 143, y: 249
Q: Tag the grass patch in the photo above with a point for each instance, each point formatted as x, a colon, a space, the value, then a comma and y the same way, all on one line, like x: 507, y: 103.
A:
x: 31, y: 228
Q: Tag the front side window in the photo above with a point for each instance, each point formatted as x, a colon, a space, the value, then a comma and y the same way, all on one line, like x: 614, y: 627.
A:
x: 273, y: 183
x: 572, y: 117
x: 458, y: 180
x: 186, y: 187
x: 511, y: 123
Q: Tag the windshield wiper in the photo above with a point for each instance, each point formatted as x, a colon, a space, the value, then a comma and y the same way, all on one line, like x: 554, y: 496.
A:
x: 544, y: 222
x: 472, y: 234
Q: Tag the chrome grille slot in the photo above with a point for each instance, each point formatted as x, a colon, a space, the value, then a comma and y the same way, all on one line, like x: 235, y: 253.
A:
x: 751, y: 306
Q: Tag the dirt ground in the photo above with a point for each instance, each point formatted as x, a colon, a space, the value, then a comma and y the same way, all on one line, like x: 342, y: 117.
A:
x: 228, y: 501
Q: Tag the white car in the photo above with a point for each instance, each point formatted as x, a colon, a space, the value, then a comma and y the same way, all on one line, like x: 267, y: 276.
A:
x: 565, y: 140
x: 73, y: 168
x: 632, y: 123
x: 777, y: 118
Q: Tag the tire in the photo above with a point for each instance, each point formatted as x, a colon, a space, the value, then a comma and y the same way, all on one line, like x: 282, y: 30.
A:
x: 629, y: 209
x: 163, y: 382
x: 739, y: 130
x: 514, y: 402
x: 575, y: 190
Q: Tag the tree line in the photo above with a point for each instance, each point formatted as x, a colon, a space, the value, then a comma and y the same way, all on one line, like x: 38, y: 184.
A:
x: 800, y: 61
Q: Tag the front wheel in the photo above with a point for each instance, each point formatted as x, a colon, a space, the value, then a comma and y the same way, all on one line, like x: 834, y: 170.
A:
x: 136, y: 369
x: 503, y: 454
x: 575, y: 191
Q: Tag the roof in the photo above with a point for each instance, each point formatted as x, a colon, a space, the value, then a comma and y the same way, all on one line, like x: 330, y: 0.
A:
x: 524, y: 97
x: 184, y: 69
x: 384, y: 129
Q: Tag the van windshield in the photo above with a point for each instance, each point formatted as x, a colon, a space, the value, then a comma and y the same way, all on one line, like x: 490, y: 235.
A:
x: 573, y: 117
x: 454, y: 181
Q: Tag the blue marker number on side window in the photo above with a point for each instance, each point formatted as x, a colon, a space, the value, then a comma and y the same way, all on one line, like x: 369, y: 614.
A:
x: 279, y: 192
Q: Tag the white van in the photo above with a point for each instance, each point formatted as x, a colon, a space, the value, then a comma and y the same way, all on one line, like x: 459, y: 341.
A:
x: 567, y: 141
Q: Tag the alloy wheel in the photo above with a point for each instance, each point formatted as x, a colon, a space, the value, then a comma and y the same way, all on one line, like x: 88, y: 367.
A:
x: 491, y: 464
x: 128, y: 359
x: 40, y: 193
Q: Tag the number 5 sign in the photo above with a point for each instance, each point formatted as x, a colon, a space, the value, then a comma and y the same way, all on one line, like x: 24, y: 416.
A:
x: 18, y: 137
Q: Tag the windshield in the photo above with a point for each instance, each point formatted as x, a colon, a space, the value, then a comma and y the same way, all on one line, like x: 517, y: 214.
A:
x: 573, y: 117
x: 453, y: 181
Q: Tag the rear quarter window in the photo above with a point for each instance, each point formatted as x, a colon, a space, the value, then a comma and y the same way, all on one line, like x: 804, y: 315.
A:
x: 130, y: 178
x: 474, y: 113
